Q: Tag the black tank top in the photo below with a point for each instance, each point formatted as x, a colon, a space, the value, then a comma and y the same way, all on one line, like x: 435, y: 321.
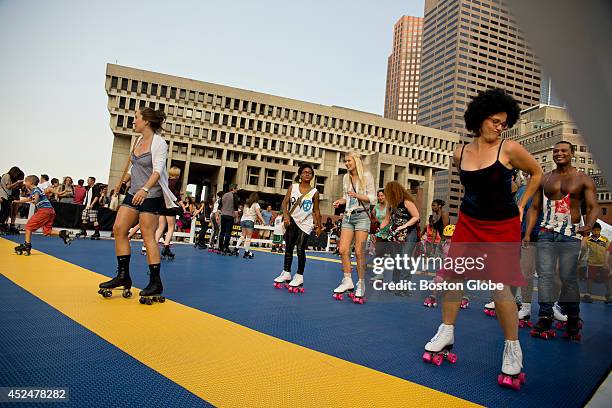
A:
x: 438, y: 225
x: 488, y: 191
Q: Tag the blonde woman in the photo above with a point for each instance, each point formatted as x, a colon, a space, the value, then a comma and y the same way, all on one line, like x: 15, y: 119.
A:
x: 358, y: 194
x: 168, y: 215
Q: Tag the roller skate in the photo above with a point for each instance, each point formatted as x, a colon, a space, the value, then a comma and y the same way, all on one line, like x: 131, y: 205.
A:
x: 81, y: 234
x: 95, y: 236
x: 542, y: 328
x: 359, y: 294
x: 560, y: 317
x: 573, y: 327
x: 166, y: 253
x: 273, y: 249
x: 297, y: 284
x: 152, y: 293
x: 440, y: 346
x: 121, y: 281
x: 282, y: 280
x: 376, y: 277
x: 465, y: 302
x: 248, y: 255
x: 511, y: 375
x: 489, y: 309
x: 12, y: 230
x: 346, y: 286
x: 234, y: 252
x: 524, y: 316
x: 26, y: 248
x: 65, y: 236
x: 430, y: 301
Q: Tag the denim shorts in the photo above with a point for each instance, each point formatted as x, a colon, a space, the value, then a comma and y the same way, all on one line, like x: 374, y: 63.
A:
x: 150, y: 205
x: 247, y: 224
x: 356, y: 221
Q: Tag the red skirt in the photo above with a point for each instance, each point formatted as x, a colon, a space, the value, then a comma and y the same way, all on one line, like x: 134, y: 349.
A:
x: 494, y: 248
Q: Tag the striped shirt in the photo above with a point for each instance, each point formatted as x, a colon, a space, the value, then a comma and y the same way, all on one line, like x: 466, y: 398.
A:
x: 43, y: 201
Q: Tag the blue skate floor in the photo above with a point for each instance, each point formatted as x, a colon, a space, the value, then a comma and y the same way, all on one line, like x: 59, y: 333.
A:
x: 40, y: 346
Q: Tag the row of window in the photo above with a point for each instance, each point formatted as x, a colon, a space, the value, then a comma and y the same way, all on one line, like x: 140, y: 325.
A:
x: 264, y: 126
x: 271, y: 175
x: 249, y: 107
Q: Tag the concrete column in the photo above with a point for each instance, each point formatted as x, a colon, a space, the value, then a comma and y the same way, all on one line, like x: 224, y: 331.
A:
x: 170, y: 153
x: 186, y: 171
x: 220, y: 178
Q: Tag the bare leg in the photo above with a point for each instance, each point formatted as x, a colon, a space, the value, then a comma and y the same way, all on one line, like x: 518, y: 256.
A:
x: 126, y: 219
x: 148, y: 225
x: 346, y: 239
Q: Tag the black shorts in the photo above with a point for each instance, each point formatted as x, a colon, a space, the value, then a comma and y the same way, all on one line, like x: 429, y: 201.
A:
x: 169, y: 212
x: 149, y: 205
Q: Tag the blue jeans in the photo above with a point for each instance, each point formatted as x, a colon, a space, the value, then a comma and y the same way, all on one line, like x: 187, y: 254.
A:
x: 552, y: 248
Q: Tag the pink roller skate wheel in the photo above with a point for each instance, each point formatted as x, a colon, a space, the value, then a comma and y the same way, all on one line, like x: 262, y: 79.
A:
x: 516, y: 384
x: 452, y: 358
x: 522, y: 378
x: 500, y: 379
x: 437, y: 360
x: 427, y: 357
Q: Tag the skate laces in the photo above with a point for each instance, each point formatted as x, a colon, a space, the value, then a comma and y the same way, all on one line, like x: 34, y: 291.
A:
x: 441, y: 331
x: 513, y: 353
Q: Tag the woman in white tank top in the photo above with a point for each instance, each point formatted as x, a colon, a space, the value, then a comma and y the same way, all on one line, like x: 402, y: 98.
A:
x: 250, y: 213
x: 300, y: 215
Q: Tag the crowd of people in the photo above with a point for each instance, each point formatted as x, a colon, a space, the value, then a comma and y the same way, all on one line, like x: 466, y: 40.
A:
x: 527, y: 222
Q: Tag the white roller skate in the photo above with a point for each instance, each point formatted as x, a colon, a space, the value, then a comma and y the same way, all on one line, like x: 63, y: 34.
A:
x: 359, y: 295
x: 489, y: 309
x: 559, y: 317
x: 345, y: 286
x: 511, y: 375
x: 524, y: 315
x: 440, y: 345
x: 297, y: 284
x: 282, y: 280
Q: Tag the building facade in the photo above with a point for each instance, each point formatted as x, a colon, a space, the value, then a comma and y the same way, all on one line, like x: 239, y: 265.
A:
x: 470, y: 46
x: 219, y: 135
x: 540, y: 127
x: 403, y: 68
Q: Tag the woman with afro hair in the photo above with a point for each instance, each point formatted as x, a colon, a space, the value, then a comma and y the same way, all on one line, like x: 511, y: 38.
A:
x: 488, y: 226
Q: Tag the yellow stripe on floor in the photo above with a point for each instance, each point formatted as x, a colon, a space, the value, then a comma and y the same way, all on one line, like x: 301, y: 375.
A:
x: 220, y: 361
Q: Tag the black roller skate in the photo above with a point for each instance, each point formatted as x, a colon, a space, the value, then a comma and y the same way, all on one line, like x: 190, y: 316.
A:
x: 273, y: 249
x: 65, y: 236
x: 542, y: 328
x: 234, y: 252
x: 12, y: 230
x: 248, y: 255
x: 166, y: 253
x: 152, y: 293
x: 81, y: 234
x: 24, y: 248
x: 120, y: 282
x: 95, y: 236
x: 573, y: 327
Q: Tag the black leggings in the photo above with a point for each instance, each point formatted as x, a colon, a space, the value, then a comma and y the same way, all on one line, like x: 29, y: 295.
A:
x: 227, y: 224
x: 295, y: 237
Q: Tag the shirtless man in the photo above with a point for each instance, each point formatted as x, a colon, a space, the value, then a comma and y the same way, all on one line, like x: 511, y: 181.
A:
x: 560, y: 196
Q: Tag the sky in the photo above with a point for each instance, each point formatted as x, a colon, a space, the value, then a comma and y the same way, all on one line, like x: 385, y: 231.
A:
x: 53, y: 105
